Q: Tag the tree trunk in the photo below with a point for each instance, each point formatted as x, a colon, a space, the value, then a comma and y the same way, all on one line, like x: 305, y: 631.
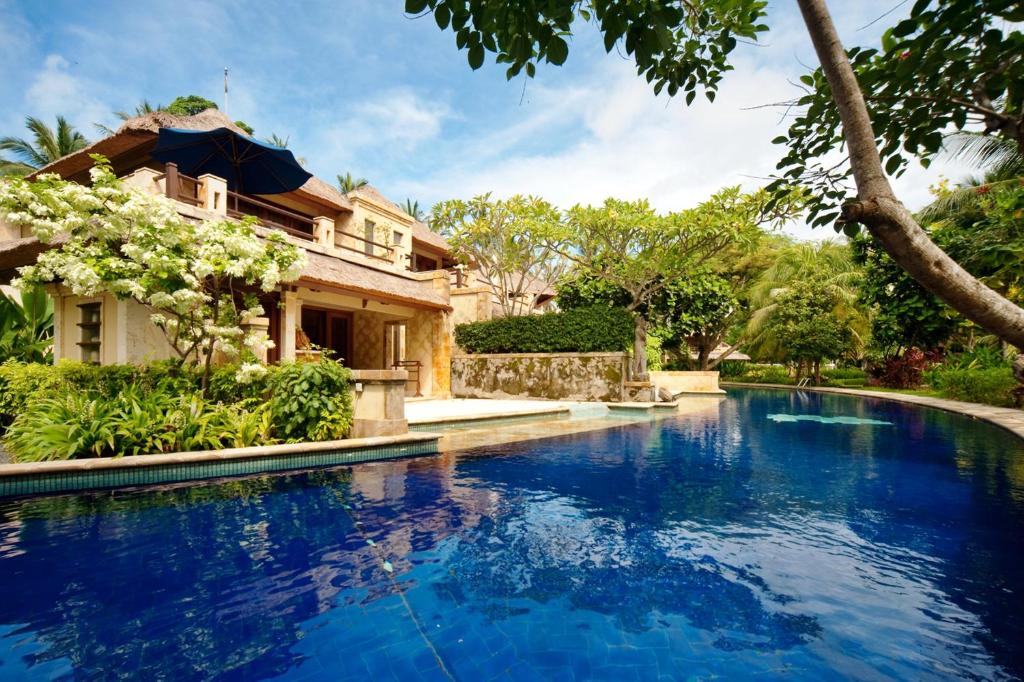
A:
x: 703, y: 353
x: 817, y: 372
x: 877, y: 207
x: 639, y: 366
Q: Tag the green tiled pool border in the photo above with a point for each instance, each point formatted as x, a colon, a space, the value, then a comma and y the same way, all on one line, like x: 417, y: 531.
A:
x: 131, y: 472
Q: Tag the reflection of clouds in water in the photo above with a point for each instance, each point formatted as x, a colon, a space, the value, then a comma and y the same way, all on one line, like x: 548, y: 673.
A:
x: 870, y: 596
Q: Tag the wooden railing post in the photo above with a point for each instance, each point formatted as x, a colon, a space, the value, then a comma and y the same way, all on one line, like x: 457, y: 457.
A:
x: 171, y: 180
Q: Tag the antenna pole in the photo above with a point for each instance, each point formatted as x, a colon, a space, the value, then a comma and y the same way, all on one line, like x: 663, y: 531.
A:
x: 225, y: 89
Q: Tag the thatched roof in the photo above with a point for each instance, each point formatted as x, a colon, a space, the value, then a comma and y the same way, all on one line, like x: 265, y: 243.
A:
x: 374, y: 284
x: 426, y: 236
x: 18, y: 252
x: 141, y: 130
x: 719, y: 350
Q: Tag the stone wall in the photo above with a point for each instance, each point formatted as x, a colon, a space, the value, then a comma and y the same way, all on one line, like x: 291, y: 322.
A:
x: 552, y: 376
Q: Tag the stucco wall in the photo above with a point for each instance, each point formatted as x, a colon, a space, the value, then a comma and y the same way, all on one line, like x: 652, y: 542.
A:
x: 553, y: 376
x: 687, y: 382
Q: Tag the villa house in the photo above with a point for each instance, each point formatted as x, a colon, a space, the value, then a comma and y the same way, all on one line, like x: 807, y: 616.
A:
x: 375, y: 290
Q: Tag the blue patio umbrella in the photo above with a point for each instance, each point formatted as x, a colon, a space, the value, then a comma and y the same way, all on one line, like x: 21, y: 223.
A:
x: 248, y: 165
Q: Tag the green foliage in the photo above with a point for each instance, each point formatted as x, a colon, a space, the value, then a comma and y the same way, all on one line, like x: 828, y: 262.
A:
x: 763, y: 374
x: 907, y: 315
x: 26, y: 326
x: 45, y: 147
x: 806, y: 327
x: 581, y: 330
x: 189, y: 105
x: 678, y: 47
x: 582, y: 289
x: 311, y: 400
x: 75, y: 410
x: 249, y: 130
x: 77, y: 425
x: 508, y: 244
x: 992, y: 386
x: 348, y: 183
x: 951, y: 65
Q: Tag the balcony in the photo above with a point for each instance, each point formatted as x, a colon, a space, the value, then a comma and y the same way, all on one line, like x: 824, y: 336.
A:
x: 211, y: 193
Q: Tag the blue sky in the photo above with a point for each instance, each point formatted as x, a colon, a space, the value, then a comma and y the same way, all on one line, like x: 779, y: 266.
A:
x: 358, y: 86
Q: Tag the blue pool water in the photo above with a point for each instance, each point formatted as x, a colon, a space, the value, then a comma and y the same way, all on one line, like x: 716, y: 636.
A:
x: 718, y: 543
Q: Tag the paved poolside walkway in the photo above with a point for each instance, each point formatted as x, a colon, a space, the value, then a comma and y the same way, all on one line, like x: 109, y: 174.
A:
x: 1007, y: 417
x: 460, y: 409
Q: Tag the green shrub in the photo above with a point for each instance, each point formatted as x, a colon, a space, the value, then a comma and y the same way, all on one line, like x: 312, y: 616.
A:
x: 73, y: 425
x: 20, y: 382
x: 843, y: 374
x: 311, y: 400
x: 731, y: 368
x: 992, y: 386
x: 581, y: 330
x: 764, y: 374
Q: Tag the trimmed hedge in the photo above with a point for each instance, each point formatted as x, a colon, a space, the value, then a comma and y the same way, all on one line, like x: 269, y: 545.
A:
x: 598, y: 329
x: 990, y: 386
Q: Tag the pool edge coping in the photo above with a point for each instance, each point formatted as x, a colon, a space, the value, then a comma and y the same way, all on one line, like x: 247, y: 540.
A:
x: 207, y: 456
x: 1007, y: 418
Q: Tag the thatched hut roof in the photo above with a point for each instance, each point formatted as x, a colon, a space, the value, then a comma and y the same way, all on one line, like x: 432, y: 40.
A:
x: 142, y: 130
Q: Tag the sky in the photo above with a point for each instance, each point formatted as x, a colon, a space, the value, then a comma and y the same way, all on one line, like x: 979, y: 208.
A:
x: 357, y: 86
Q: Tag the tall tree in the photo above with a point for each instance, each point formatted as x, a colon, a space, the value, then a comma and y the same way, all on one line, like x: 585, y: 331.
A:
x: 806, y: 328
x: 629, y: 246
x: 189, y: 105
x: 46, y: 145
x: 348, y: 183
x: 949, y: 63
x: 506, y: 242
x: 413, y: 208
x: 831, y: 267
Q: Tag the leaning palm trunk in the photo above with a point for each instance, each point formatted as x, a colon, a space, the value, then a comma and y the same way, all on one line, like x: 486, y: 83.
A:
x: 877, y: 207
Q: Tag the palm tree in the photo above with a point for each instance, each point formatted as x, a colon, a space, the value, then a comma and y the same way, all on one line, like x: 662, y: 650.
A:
x: 413, y: 208
x: 46, y: 145
x: 828, y: 263
x: 347, y: 183
x: 1000, y: 161
x: 277, y: 141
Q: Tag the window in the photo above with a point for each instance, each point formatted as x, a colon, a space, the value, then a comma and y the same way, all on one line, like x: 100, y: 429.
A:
x: 396, y: 238
x: 89, y: 337
x: 369, y: 227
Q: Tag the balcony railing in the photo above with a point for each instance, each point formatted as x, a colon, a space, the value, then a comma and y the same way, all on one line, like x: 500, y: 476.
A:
x: 187, y: 189
x: 295, y: 224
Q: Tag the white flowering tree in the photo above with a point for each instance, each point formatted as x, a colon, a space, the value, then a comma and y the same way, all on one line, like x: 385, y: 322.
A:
x: 199, y: 279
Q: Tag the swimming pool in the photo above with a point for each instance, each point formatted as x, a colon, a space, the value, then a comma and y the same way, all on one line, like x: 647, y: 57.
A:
x: 736, y: 541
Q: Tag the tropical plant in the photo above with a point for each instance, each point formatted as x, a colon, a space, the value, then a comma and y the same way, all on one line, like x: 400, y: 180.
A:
x: 347, y: 183
x: 507, y: 242
x: 830, y: 266
x: 805, y: 327
x: 190, y: 274
x: 189, y: 105
x: 949, y: 65
x: 413, y: 209
x: 141, y: 109
x: 1001, y: 163
x: 628, y: 245
x: 46, y: 144
x: 26, y: 326
x: 277, y: 141
x: 311, y: 400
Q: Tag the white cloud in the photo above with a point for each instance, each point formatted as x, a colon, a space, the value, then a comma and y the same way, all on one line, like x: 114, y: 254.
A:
x: 54, y: 91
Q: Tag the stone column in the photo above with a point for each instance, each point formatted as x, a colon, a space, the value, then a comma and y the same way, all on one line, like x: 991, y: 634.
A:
x: 259, y: 325
x: 213, y: 193
x: 323, y: 231
x: 292, y: 322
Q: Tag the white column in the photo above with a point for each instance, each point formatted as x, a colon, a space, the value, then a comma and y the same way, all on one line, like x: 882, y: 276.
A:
x: 323, y: 231
x: 292, y: 322
x: 213, y: 192
x: 121, y: 332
